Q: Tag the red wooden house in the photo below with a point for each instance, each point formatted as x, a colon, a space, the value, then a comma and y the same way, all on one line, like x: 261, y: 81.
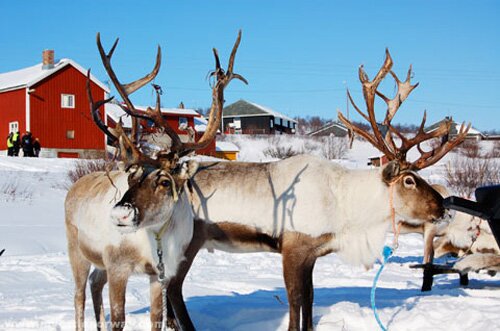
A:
x: 50, y: 100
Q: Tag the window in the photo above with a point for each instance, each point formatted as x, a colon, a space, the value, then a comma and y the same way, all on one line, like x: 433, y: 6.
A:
x: 67, y: 100
x: 70, y: 134
x: 183, y: 123
x: 277, y: 121
x: 237, y: 123
x: 13, y: 127
x: 271, y: 123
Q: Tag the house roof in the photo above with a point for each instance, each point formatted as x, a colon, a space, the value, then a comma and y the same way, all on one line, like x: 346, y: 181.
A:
x: 27, y: 77
x: 243, y: 108
x: 115, y: 112
x: 331, y: 127
x: 455, y: 127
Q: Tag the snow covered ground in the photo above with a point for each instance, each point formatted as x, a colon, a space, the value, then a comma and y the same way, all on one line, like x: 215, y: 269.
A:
x: 223, y: 291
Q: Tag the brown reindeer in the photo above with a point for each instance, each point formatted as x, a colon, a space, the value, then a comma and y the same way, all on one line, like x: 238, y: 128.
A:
x: 153, y: 218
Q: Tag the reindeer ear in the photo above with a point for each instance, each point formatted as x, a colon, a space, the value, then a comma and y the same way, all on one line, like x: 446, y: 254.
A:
x: 188, y: 170
x: 390, y: 171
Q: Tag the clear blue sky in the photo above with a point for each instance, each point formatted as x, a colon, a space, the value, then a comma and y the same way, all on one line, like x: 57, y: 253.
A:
x: 298, y: 56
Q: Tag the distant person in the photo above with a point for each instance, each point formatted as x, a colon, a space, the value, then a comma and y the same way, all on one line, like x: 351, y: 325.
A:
x: 27, y: 144
x: 37, y: 147
x: 10, y: 144
x: 17, y: 143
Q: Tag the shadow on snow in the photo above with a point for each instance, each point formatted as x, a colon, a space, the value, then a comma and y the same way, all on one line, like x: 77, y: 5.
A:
x: 267, y: 309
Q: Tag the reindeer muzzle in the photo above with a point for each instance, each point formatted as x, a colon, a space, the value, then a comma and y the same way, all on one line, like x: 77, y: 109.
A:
x: 125, y: 217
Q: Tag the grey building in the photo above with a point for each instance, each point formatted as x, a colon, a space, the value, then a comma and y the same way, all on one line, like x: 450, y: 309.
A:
x: 333, y: 128
x: 246, y: 117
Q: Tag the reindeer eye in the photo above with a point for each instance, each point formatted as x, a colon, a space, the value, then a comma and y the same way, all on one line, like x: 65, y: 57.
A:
x: 165, y: 183
x: 409, y: 181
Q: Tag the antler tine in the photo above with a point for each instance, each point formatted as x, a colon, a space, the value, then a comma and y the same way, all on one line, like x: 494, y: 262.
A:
x: 403, y: 90
x: 369, y: 91
x: 126, y: 89
x: 222, y: 80
x: 356, y: 107
x: 429, y: 158
x: 359, y: 131
x: 157, y: 117
x: 94, y: 110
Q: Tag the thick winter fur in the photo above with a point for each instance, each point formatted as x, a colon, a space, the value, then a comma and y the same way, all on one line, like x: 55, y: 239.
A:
x: 304, y: 208
x: 122, y: 246
x: 429, y: 231
x: 466, y: 234
x: 479, y: 261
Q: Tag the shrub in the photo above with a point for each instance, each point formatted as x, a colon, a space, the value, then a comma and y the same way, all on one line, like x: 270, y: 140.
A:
x: 11, y: 191
x: 465, y: 174
x: 334, y: 147
x: 281, y: 152
x: 85, y: 167
x: 470, y: 148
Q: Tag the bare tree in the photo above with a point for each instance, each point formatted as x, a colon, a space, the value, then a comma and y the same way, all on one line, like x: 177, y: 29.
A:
x: 465, y: 174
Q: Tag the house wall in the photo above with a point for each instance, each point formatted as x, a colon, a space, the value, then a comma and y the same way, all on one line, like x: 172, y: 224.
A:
x: 51, y: 123
x: 12, y: 109
x: 258, y: 125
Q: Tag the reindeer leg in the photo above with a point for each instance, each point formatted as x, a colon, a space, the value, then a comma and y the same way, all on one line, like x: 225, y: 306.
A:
x: 156, y: 314
x: 294, y: 282
x: 98, y: 278
x: 308, y: 296
x: 81, y: 268
x: 175, y: 297
x: 429, y: 234
x: 117, y: 288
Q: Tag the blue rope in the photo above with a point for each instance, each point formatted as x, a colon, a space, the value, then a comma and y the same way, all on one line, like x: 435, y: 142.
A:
x: 386, y: 253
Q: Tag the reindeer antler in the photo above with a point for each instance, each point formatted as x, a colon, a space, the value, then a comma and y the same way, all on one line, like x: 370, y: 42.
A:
x: 386, y: 144
x: 129, y: 149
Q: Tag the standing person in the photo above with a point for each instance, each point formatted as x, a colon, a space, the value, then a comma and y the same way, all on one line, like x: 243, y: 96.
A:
x: 27, y: 144
x: 16, y: 142
x: 10, y: 144
x: 37, y: 147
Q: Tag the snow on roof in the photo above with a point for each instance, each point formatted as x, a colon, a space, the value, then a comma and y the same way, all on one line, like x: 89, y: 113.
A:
x: 472, y: 131
x: 200, y: 124
x: 116, y: 112
x: 225, y: 146
x: 28, y: 77
x: 272, y: 112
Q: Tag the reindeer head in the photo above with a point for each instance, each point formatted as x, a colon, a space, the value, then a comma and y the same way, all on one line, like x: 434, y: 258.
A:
x: 156, y: 185
x: 413, y: 198
x: 152, y: 196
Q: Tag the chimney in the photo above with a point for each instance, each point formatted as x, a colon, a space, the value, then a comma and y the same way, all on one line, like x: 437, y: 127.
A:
x: 47, y: 59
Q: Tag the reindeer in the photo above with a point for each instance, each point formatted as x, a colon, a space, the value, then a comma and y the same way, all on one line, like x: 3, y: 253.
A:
x: 305, y: 207
x: 153, y: 221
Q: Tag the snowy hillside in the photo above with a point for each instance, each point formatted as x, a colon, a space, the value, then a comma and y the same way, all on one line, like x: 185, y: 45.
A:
x: 223, y: 291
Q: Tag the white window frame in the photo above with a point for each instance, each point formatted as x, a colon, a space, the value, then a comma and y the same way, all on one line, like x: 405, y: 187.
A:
x: 237, y: 122
x: 70, y: 134
x: 64, y: 100
x: 13, y: 125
